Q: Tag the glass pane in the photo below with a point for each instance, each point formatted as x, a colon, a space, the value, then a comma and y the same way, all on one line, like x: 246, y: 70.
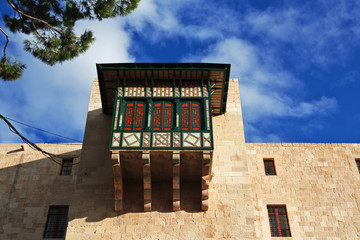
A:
x: 286, y: 233
x: 275, y: 233
x: 57, y: 222
x: 281, y: 210
x: 271, y: 210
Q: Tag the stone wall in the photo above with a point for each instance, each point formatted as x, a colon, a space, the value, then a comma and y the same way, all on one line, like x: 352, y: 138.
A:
x: 29, y: 184
x: 317, y: 183
x: 231, y: 211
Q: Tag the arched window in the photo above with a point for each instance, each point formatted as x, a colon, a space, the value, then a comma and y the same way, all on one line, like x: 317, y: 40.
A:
x: 163, y: 116
x: 190, y: 116
x: 135, y: 113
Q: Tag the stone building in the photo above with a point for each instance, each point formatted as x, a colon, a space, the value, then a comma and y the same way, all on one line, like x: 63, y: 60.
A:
x: 164, y: 157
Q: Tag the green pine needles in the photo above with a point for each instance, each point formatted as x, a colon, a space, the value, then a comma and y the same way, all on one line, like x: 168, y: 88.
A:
x: 11, y: 70
x: 51, y: 23
x: 52, y: 50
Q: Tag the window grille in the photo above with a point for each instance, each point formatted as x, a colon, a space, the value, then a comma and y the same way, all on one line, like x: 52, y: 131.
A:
x: 135, y: 113
x: 163, y: 116
x: 279, y: 224
x: 269, y: 167
x: 66, y: 167
x: 190, y: 116
x: 56, y: 223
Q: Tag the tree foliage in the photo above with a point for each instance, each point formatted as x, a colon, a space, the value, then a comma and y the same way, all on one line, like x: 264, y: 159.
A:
x: 51, y: 24
x: 11, y: 70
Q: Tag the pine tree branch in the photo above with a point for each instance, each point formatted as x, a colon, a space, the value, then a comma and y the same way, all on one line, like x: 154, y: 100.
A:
x: 33, y: 18
x: 37, y: 30
x: 7, y: 41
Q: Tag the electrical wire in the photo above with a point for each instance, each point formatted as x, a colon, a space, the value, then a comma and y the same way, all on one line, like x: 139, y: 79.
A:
x: 42, y: 130
x: 33, y: 146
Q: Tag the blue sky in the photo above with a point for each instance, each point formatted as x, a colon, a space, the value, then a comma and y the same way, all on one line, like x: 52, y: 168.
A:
x: 297, y: 63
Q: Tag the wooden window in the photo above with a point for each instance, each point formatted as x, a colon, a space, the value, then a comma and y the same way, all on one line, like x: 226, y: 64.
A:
x: 191, y: 116
x: 358, y: 163
x: 135, y: 113
x: 163, y: 116
x: 269, y: 166
x: 57, y: 221
x: 66, y: 167
x: 279, y: 223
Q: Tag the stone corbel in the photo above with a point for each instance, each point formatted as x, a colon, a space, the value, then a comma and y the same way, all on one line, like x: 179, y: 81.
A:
x: 118, y: 181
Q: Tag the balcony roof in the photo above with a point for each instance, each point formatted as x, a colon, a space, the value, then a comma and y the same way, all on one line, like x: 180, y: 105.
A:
x: 113, y: 75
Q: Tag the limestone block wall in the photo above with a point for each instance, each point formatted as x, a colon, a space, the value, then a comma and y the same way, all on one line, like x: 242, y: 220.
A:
x: 231, y: 208
x: 318, y: 183
x: 29, y: 184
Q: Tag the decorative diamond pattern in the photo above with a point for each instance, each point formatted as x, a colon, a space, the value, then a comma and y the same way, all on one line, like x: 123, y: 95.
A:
x: 205, y: 92
x: 206, y: 140
x: 146, y: 139
x: 161, y: 139
x: 164, y: 137
x: 116, y: 139
x: 120, y: 92
x: 148, y: 91
x: 176, y: 139
x: 191, y: 139
x: 177, y: 92
x: 131, y: 139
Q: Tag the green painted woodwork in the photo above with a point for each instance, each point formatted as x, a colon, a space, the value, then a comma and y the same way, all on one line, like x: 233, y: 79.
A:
x: 176, y: 138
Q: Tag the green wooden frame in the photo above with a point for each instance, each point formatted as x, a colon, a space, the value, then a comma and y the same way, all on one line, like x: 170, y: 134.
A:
x: 206, y: 130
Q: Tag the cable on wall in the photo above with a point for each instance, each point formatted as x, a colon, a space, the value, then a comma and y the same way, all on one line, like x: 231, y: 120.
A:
x: 33, y: 146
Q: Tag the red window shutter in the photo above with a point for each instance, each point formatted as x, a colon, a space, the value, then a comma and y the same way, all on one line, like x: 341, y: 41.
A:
x: 157, y: 116
x: 190, y: 116
x: 185, y: 116
x: 134, y: 116
x: 140, y: 109
x: 163, y: 116
x: 129, y: 116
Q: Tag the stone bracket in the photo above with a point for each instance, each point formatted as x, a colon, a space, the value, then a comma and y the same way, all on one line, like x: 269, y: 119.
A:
x: 176, y: 180
x: 147, y: 180
x: 205, y: 179
x: 118, y: 182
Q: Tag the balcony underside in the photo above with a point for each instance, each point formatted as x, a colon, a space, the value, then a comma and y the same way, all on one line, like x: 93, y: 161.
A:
x: 161, y: 180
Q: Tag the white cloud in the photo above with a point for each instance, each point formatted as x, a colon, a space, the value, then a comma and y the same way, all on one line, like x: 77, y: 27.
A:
x: 253, y: 134
x: 251, y: 40
x: 56, y: 98
x: 320, y: 36
x: 158, y: 20
x: 149, y: 13
x: 267, y: 89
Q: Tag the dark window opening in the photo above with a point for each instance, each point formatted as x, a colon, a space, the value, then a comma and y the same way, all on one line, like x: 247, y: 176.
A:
x: 279, y: 223
x: 66, y: 167
x: 269, y: 167
x: 358, y: 164
x: 56, y: 223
